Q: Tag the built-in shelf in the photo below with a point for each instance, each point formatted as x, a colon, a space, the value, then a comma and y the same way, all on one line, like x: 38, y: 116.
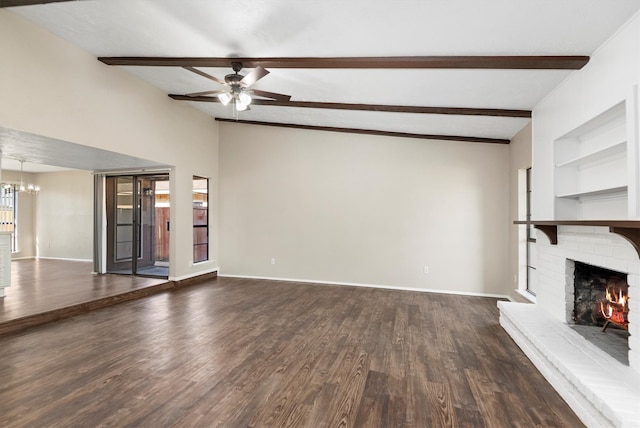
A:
x: 618, y: 149
x: 628, y: 229
x: 591, y: 164
x: 609, y: 191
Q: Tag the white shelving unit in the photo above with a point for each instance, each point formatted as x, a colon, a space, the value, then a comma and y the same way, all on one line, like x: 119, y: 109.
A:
x: 593, y: 175
x: 615, y: 150
x: 620, y: 191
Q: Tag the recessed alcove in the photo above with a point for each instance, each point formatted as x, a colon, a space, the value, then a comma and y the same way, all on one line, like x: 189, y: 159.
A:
x: 591, y: 174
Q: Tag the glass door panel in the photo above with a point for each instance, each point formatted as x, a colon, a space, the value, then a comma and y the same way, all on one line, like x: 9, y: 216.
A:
x: 162, y: 225
x: 120, y: 224
x: 124, y: 219
x: 131, y: 205
x: 146, y: 221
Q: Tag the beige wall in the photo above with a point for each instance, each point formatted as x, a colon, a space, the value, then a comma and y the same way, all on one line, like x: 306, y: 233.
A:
x: 364, y: 209
x: 54, y: 89
x: 64, y: 215
x: 519, y: 159
x: 58, y: 222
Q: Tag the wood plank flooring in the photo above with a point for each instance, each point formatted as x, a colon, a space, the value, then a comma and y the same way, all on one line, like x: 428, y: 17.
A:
x: 237, y: 353
x: 42, y: 290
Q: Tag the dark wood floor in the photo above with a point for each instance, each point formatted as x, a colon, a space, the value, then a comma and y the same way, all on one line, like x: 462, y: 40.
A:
x: 43, y: 289
x: 236, y: 353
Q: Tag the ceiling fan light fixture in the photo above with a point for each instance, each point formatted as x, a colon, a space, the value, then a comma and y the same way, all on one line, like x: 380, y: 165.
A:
x: 244, y: 98
x: 238, y: 92
x: 225, y: 97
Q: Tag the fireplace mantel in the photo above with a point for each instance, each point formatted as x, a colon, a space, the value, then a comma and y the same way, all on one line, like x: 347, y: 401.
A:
x: 628, y: 229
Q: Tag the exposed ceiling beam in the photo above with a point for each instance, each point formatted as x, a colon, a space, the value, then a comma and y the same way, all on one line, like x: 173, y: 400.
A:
x: 406, y: 62
x: 372, y: 132
x: 14, y: 3
x: 374, y: 107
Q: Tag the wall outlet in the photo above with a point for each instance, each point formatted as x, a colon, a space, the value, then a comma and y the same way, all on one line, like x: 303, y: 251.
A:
x: 273, y: 260
x: 425, y: 269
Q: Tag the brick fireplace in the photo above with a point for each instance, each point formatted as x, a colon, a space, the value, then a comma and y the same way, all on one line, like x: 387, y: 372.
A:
x: 602, y: 390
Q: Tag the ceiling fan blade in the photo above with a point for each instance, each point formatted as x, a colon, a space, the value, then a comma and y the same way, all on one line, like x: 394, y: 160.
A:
x: 251, y: 78
x: 203, y: 74
x: 271, y: 95
x: 199, y: 94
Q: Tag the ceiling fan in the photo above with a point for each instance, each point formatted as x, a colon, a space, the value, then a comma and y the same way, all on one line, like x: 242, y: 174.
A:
x: 238, y: 90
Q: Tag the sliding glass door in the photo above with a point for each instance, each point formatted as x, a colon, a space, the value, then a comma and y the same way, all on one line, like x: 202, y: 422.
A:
x: 137, y: 237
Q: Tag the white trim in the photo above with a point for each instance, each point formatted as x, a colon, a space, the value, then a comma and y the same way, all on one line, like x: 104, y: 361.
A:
x: 142, y: 171
x: 524, y: 293
x: 63, y: 258
x: 192, y: 275
x: 203, y: 263
x: 356, y: 284
x: 23, y: 258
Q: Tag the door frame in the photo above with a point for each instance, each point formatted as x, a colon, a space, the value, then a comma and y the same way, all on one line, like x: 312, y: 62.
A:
x: 103, y: 227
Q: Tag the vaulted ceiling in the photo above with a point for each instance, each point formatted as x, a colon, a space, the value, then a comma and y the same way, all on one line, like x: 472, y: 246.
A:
x: 459, y: 69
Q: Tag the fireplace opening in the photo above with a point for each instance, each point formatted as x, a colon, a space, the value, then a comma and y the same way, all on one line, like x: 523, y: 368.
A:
x: 600, y: 308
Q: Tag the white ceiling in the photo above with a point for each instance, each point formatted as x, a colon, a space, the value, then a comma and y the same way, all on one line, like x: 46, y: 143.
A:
x: 354, y: 28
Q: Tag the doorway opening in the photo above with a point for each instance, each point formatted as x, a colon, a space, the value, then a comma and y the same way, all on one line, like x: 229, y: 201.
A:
x: 137, y: 216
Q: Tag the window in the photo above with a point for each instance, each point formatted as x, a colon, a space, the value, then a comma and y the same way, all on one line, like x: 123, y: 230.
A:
x: 525, y: 276
x: 9, y: 214
x: 531, y: 241
x: 200, y: 219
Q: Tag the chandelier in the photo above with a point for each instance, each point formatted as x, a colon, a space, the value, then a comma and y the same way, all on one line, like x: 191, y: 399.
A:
x: 8, y: 188
x: 29, y: 188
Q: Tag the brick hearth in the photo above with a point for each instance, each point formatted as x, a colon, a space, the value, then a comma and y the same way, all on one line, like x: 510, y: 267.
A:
x: 600, y: 389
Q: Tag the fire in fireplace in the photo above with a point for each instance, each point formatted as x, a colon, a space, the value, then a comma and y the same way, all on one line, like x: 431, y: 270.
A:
x: 600, y: 297
x: 614, y: 306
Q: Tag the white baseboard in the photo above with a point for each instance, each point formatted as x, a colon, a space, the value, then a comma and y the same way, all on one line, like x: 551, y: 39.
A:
x: 63, y: 258
x: 192, y: 275
x: 356, y: 284
x: 23, y: 258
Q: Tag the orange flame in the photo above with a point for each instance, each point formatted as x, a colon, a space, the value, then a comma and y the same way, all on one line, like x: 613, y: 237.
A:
x: 614, y: 307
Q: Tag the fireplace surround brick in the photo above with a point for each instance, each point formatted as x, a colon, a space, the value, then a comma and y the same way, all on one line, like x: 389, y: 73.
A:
x: 591, y: 245
x: 584, y: 375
